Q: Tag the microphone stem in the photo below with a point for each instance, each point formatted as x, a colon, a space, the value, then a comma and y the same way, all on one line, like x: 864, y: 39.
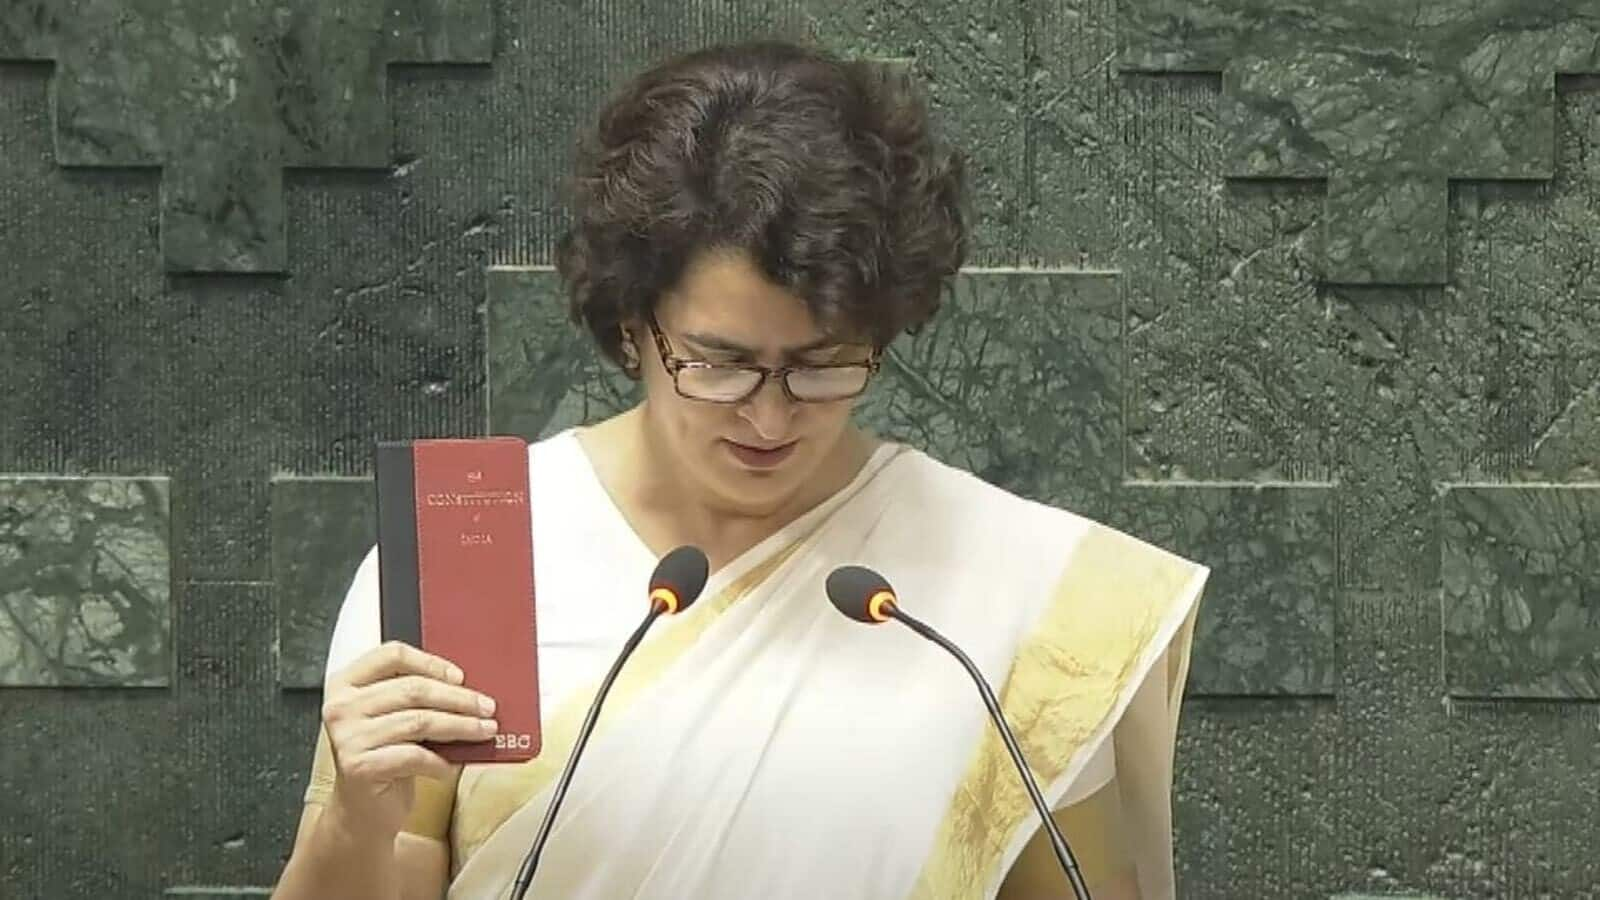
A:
x: 531, y: 862
x: 1058, y: 843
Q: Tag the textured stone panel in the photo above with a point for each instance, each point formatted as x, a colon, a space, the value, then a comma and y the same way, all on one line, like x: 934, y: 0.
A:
x: 1232, y: 369
x: 544, y: 373
x: 201, y: 892
x: 1268, y: 615
x: 1388, y: 788
x: 85, y: 582
x: 1520, y: 337
x: 1018, y: 380
x: 225, y: 96
x: 1387, y: 102
x: 1520, y: 567
x: 74, y: 255
x: 1247, y: 825
x: 224, y: 641
x: 321, y: 529
x: 199, y: 784
x: 1385, y: 897
x: 88, y: 807
x: 1522, y: 775
x: 1250, y: 372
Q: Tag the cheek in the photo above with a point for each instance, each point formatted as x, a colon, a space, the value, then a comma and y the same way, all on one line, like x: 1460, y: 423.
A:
x: 824, y: 425
x: 692, y: 423
x: 835, y: 415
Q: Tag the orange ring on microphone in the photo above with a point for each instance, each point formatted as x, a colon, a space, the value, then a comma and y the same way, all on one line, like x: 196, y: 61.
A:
x: 667, y: 597
x: 877, y: 602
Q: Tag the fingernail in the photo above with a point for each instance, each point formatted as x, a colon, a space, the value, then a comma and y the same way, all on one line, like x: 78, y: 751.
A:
x: 488, y: 725
x: 456, y: 675
x: 486, y: 704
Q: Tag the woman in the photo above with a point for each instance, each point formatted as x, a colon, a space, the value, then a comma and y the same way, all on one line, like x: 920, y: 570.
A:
x: 754, y: 225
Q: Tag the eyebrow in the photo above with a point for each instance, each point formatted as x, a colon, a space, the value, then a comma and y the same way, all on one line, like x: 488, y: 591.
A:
x: 723, y: 345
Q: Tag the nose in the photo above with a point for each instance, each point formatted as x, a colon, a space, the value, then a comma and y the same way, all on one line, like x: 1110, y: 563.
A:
x: 769, y: 411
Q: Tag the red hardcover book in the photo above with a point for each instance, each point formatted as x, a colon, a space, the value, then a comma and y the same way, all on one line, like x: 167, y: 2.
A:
x: 455, y: 563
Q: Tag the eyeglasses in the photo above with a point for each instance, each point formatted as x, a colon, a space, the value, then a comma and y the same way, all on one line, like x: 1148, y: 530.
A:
x: 712, y: 382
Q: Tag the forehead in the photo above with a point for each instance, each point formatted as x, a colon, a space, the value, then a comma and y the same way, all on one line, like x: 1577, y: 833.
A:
x: 725, y: 293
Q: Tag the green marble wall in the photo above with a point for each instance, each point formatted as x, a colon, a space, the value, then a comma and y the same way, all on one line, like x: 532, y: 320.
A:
x: 1305, y: 291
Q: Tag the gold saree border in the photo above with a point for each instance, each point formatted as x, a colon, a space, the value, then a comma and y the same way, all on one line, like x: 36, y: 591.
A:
x: 1110, y: 602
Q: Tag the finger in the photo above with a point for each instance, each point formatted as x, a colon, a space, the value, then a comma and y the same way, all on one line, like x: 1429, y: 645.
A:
x: 398, y: 761
x: 412, y: 725
x: 399, y: 658
x: 419, y: 692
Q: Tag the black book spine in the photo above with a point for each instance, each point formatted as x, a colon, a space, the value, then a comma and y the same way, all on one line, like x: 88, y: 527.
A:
x: 398, y: 590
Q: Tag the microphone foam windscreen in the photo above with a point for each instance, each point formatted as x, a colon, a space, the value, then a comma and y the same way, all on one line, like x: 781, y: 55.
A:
x: 684, y: 572
x: 851, y: 588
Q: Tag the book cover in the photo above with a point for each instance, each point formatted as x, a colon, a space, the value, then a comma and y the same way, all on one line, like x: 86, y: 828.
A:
x: 455, y: 561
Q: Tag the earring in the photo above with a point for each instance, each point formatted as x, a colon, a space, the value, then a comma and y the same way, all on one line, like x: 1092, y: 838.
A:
x: 630, y: 357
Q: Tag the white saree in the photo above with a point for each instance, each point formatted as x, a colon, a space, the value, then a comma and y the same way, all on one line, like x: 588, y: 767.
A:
x: 763, y: 745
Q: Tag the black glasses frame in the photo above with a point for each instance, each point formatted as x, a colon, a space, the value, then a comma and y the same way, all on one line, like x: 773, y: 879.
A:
x: 675, y: 364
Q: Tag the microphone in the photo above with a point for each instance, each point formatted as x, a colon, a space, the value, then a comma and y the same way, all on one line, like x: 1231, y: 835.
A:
x: 866, y: 596
x: 675, y: 584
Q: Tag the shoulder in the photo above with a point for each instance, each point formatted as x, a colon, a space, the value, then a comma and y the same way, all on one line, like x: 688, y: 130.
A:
x: 950, y: 506
x: 553, y: 446
x: 949, y: 497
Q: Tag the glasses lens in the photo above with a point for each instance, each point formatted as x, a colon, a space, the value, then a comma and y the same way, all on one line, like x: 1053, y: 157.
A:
x: 721, y: 384
x: 823, y: 385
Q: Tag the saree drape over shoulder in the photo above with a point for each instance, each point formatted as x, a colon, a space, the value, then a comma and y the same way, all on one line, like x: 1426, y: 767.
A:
x: 762, y: 745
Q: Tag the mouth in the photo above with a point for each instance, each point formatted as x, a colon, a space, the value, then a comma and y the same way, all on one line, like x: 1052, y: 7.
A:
x: 757, y: 457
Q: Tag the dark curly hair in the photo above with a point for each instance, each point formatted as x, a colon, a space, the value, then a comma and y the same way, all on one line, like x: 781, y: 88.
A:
x: 824, y: 170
